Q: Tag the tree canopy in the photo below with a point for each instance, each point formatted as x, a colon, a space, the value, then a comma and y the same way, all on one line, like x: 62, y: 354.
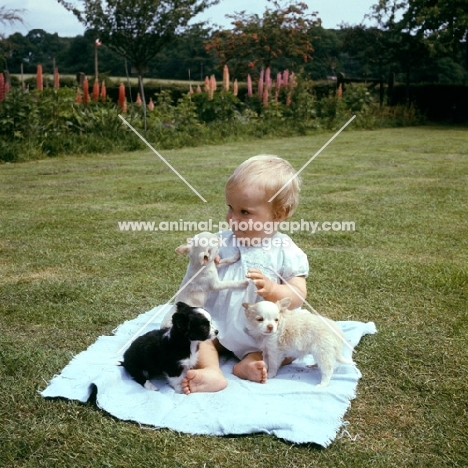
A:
x: 431, y: 48
x: 137, y: 29
x: 281, y: 33
x: 10, y: 16
x: 442, y: 25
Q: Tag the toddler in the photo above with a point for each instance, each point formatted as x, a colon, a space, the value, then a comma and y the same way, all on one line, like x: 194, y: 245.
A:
x: 275, y: 265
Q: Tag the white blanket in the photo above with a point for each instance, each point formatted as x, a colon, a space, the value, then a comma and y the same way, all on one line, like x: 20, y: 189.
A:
x: 288, y: 406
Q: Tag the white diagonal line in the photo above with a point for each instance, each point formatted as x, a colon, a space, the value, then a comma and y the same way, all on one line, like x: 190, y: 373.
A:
x: 162, y: 159
x: 313, y: 310
x: 167, y: 303
x: 312, y: 158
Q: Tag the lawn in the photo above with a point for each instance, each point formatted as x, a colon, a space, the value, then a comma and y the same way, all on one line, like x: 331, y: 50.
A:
x: 69, y: 275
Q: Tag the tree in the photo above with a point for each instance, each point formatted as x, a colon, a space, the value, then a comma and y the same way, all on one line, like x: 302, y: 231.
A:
x: 8, y: 17
x: 441, y: 24
x: 281, y: 33
x: 369, y: 46
x: 186, y: 57
x: 406, y: 42
x: 327, y: 49
x: 137, y: 29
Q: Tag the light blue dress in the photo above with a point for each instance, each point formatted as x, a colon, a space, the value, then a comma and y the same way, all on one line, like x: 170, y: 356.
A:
x: 277, y: 258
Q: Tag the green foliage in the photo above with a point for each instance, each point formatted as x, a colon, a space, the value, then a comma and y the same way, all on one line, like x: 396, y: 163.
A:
x: 357, y: 98
x: 137, y: 30
x: 224, y: 106
x: 281, y: 33
x: 49, y: 123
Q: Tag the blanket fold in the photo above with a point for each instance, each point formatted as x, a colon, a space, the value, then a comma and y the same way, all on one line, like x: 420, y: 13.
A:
x: 288, y: 406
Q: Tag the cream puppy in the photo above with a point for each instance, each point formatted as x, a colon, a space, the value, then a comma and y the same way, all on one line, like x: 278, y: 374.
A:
x: 202, y: 250
x: 282, y: 333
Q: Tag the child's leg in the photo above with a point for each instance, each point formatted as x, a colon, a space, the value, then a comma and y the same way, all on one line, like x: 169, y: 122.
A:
x: 251, y: 368
x: 207, y: 377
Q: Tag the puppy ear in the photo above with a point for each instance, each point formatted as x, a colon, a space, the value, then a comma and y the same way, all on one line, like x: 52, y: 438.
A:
x: 179, y: 318
x: 283, y: 304
x: 246, y: 307
x: 184, y: 249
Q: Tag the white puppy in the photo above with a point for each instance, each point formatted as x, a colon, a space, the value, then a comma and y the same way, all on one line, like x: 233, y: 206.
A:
x: 282, y: 333
x: 202, y: 250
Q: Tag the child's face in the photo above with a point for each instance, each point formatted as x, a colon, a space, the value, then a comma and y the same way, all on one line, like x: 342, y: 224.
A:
x: 249, y: 213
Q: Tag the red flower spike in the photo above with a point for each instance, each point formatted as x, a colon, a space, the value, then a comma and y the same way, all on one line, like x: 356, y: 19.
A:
x: 39, y: 78
x: 121, y: 100
x: 96, y: 91
x: 85, y: 91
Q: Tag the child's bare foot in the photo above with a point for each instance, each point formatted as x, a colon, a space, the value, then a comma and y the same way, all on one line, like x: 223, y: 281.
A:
x: 203, y: 380
x: 255, y: 371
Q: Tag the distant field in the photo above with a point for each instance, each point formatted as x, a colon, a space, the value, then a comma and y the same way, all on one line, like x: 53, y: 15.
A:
x: 117, y: 79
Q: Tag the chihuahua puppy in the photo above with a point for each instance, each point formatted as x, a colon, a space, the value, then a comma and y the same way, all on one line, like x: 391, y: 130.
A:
x: 197, y: 285
x: 282, y: 333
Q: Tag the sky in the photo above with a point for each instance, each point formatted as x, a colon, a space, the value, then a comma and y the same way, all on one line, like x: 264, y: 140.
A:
x: 52, y: 17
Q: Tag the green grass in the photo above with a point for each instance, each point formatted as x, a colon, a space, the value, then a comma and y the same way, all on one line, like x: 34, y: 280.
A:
x: 68, y: 275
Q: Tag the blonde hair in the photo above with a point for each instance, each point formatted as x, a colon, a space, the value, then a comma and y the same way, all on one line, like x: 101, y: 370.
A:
x: 270, y: 173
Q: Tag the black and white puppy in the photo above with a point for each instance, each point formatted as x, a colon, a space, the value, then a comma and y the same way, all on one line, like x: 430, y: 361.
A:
x: 169, y: 351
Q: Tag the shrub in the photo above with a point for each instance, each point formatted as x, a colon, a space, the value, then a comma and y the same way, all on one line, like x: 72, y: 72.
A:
x: 48, y: 123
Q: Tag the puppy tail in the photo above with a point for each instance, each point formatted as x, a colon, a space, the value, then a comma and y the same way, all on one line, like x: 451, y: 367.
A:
x: 344, y: 360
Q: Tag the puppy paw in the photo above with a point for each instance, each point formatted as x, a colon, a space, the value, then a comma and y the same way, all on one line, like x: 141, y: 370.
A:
x: 322, y: 385
x: 149, y: 386
x: 236, y: 257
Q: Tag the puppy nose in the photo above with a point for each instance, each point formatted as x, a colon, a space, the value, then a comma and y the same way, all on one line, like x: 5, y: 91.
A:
x: 215, y: 332
x: 269, y: 327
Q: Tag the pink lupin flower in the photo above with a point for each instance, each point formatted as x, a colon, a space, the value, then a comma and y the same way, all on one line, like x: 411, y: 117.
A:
x: 279, y: 80
x: 207, y: 84
x: 56, y: 79
x: 85, y: 91
x: 103, y: 91
x: 212, y: 87
x: 249, y: 86
x: 2, y: 87
x: 39, y: 78
x: 285, y: 77
x: 124, y: 107
x: 265, y: 96
x: 190, y: 90
x: 260, y: 83
x: 292, y: 81
x: 213, y: 84
x: 151, y: 105
x: 235, y: 89
x: 198, y: 89
x: 225, y: 78
x: 96, y: 91
x: 138, y: 101
x: 78, y: 98
x: 268, y: 78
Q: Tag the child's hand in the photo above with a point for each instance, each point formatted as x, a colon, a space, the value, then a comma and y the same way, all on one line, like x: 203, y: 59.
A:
x: 295, y: 288
x: 264, y: 285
